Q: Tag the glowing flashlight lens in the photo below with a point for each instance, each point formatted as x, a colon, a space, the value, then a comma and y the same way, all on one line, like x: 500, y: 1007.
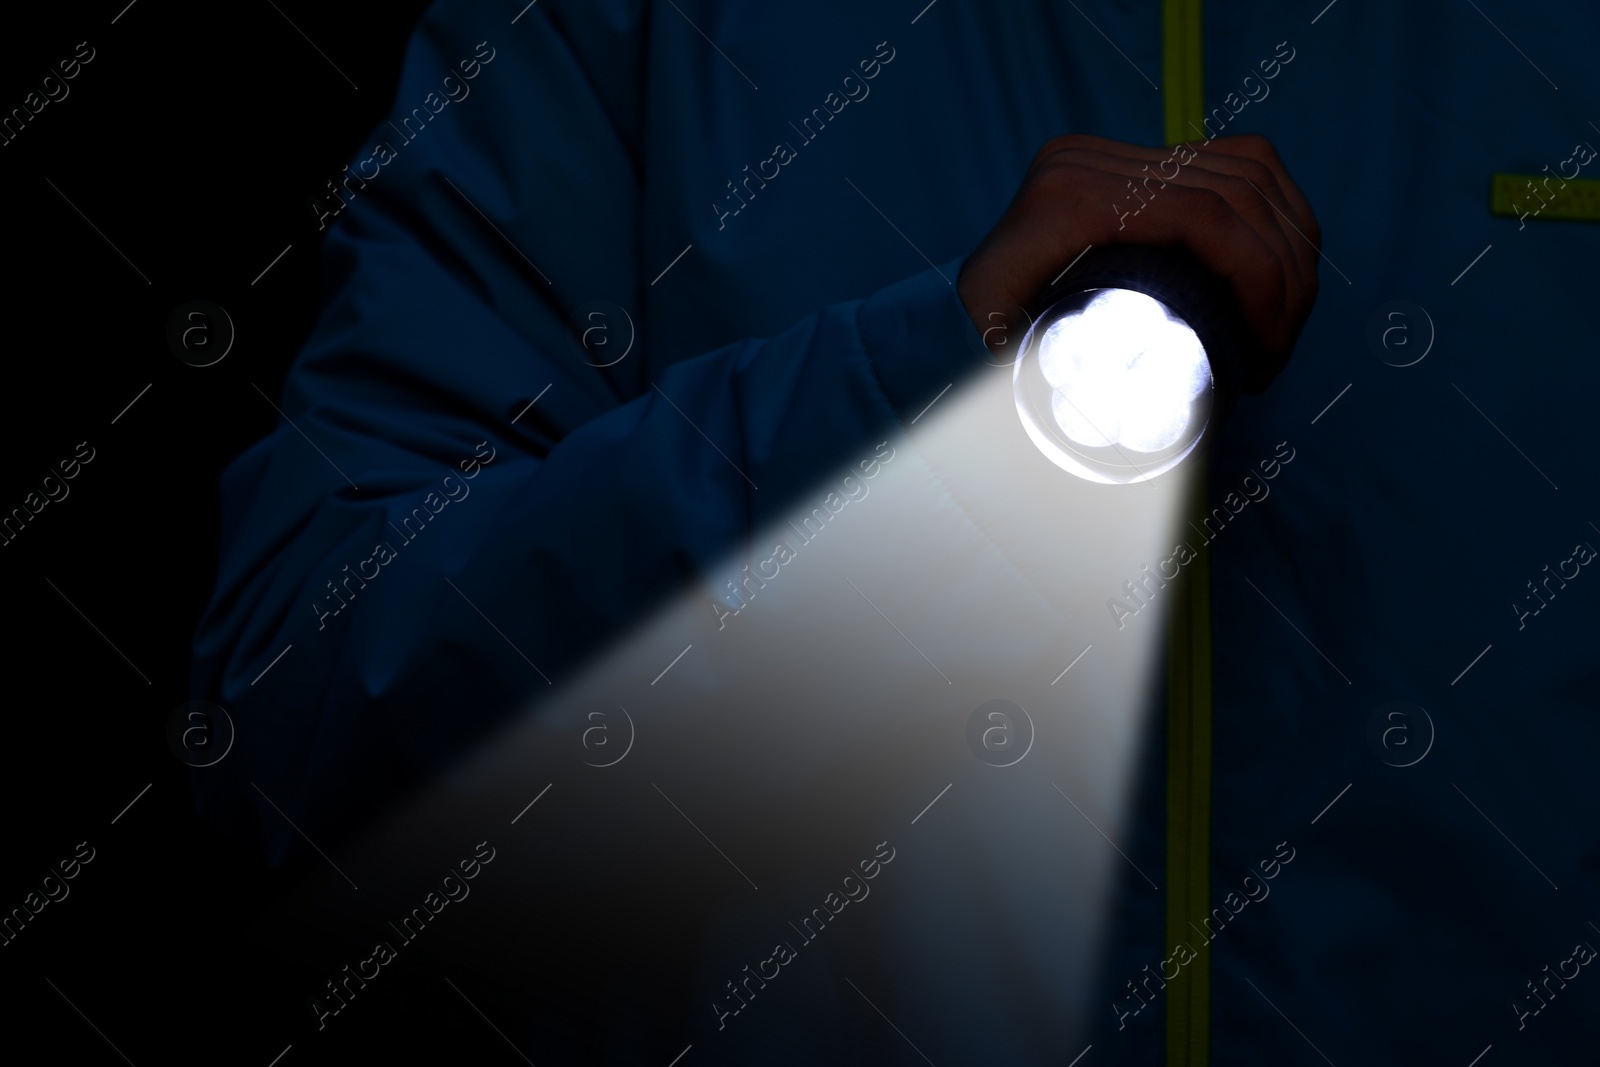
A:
x: 1113, y: 386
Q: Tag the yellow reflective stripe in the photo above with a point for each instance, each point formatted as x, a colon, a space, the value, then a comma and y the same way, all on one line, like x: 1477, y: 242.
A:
x: 1188, y: 646
x: 1182, y: 70
x: 1547, y: 197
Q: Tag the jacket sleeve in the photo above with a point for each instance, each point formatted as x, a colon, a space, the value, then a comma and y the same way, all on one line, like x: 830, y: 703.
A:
x: 429, y: 547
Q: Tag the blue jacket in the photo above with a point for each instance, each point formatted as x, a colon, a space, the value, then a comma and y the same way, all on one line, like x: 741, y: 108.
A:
x: 599, y: 277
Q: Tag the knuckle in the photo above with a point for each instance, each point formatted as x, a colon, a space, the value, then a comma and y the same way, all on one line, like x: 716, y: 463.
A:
x: 1065, y: 142
x: 1257, y: 146
x: 1257, y: 171
x: 1238, y: 187
x: 1061, y: 178
x: 1203, y: 203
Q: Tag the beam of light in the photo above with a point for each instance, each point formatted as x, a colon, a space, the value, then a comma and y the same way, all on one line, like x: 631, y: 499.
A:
x: 805, y: 723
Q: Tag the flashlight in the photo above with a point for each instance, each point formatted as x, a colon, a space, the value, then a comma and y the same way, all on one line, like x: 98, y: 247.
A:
x: 1133, y: 355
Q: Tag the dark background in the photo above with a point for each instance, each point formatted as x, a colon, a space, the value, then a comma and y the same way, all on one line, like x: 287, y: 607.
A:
x: 194, y: 141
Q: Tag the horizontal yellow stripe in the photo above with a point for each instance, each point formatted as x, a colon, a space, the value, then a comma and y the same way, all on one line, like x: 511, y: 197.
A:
x: 1545, y: 197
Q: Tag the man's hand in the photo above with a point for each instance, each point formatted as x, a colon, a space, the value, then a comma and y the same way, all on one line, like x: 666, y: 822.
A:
x: 1231, y: 204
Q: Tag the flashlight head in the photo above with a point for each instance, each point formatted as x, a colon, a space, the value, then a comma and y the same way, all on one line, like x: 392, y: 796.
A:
x: 1131, y: 359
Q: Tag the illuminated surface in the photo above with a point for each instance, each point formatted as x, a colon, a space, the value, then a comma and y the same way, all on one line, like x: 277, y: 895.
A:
x: 1113, y: 387
x: 831, y: 711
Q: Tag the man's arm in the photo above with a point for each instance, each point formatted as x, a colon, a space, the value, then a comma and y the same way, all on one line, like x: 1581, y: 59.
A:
x: 434, y: 549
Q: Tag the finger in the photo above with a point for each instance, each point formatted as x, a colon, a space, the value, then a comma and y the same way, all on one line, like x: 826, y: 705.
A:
x: 1241, y: 146
x: 1206, y: 223
x: 1068, y: 202
x: 1304, y: 244
x: 1184, y: 164
x: 1203, y: 221
x: 1254, y: 146
x: 1264, y: 189
x: 1252, y: 152
x: 1239, y: 180
x: 1251, y: 158
x: 1246, y: 209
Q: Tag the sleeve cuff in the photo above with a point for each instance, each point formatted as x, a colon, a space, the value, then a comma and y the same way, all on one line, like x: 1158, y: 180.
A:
x: 918, y: 337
